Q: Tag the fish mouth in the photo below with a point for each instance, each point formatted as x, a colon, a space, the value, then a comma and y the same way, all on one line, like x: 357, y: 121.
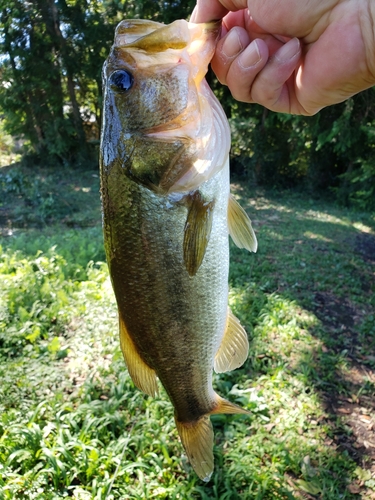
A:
x: 156, y: 37
x: 169, y: 43
x: 202, y: 126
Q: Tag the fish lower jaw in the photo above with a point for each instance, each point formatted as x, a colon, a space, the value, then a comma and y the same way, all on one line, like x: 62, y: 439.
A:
x: 206, y: 135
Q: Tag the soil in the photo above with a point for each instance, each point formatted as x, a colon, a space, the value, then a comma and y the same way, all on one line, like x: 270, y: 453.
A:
x: 356, y: 408
x: 365, y: 246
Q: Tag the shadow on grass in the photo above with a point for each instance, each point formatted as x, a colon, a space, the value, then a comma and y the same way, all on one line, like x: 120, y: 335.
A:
x: 322, y: 259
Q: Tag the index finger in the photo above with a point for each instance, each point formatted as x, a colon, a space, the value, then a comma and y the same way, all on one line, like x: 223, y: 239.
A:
x: 212, y: 10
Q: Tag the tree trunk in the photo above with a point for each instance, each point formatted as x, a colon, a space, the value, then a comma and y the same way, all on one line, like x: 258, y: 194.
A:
x: 69, y: 73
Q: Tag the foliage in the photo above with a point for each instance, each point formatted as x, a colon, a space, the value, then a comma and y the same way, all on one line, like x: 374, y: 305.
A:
x: 50, y: 96
x: 333, y: 150
x: 41, y: 195
x: 8, y: 153
x: 72, y: 424
x: 53, y: 53
x: 34, y: 296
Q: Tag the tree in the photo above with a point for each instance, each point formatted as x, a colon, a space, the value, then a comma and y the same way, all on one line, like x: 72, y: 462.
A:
x: 53, y: 52
x: 52, y: 56
x: 333, y: 150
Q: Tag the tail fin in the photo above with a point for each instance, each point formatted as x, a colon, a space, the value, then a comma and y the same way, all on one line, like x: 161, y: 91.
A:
x: 198, y: 438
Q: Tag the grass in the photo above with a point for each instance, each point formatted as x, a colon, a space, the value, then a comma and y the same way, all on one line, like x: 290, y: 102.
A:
x: 73, y: 425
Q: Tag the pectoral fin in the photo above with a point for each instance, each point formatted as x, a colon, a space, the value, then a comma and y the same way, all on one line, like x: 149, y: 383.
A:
x: 197, y: 231
x: 240, y: 227
x: 142, y: 375
x: 234, y: 347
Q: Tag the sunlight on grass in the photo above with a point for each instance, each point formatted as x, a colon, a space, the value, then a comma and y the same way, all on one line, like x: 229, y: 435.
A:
x: 315, y: 236
x: 326, y: 217
x: 363, y: 227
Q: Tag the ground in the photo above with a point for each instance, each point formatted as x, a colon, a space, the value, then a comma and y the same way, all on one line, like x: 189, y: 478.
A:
x: 72, y: 423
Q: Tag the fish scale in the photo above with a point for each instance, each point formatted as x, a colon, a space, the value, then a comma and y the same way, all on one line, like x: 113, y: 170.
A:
x: 166, y: 216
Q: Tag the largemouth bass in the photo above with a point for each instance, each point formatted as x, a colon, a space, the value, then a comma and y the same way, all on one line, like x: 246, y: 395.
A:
x: 166, y: 215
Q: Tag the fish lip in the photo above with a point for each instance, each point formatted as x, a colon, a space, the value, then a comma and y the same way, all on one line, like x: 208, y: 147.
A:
x: 214, y: 26
x: 130, y: 34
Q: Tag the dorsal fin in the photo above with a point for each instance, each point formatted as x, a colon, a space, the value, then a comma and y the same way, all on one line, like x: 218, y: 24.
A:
x: 197, y: 231
x: 234, y: 347
x: 239, y: 226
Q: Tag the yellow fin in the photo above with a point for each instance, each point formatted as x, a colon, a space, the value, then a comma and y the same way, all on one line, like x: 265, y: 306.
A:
x: 224, y: 406
x: 197, y: 231
x: 198, y: 440
x: 142, y: 375
x: 239, y: 226
x: 234, y: 347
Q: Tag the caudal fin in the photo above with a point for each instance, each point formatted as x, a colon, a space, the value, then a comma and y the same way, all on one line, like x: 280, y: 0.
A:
x: 198, y: 438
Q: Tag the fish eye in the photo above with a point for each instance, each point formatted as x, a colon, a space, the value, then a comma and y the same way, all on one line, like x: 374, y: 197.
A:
x: 121, y: 80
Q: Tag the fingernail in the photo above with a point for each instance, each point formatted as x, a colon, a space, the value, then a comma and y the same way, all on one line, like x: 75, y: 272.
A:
x: 250, y: 56
x: 232, y: 44
x: 288, y: 51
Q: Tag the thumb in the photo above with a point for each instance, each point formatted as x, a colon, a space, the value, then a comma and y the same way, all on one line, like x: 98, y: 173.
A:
x: 208, y: 10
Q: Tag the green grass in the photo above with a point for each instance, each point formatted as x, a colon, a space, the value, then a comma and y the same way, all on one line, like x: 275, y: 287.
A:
x: 72, y: 424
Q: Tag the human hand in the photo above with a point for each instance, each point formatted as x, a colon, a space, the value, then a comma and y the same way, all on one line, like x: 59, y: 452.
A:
x: 293, y: 56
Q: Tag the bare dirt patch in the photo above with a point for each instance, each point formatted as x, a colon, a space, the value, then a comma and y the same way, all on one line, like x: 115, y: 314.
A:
x: 336, y: 312
x: 365, y: 245
x: 354, y: 411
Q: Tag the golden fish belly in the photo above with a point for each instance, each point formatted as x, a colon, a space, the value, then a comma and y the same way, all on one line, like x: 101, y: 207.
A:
x: 175, y: 320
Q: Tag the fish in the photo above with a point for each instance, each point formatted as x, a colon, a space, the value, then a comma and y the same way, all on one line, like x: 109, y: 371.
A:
x: 167, y: 211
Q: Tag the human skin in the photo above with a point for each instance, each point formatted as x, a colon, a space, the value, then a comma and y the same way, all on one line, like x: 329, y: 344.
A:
x: 293, y: 56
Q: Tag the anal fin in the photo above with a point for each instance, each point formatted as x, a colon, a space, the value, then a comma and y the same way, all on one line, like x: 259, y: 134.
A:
x: 197, y: 231
x: 225, y: 406
x: 198, y: 439
x: 142, y: 375
x: 239, y: 226
x: 234, y: 347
